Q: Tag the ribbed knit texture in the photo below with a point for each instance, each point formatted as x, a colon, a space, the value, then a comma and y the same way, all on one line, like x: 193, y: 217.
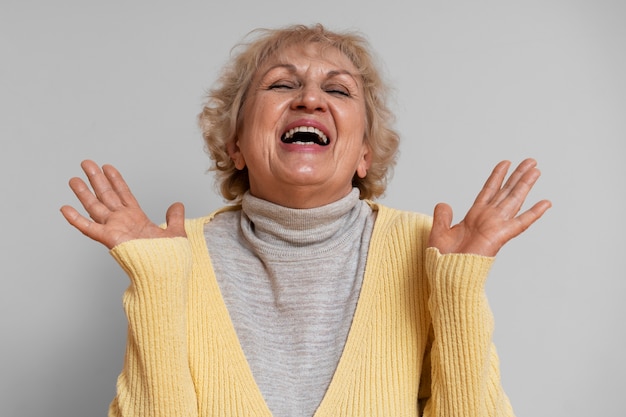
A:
x: 421, y: 333
x: 290, y: 279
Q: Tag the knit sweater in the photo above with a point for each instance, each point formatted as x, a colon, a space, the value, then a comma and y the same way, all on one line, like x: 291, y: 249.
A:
x: 420, y: 342
x: 290, y: 279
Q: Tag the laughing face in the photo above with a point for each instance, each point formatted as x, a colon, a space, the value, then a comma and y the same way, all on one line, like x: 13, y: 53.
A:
x: 302, y: 128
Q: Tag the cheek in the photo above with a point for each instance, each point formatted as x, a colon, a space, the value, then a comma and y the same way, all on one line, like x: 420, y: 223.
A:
x: 354, y: 119
x: 264, y: 117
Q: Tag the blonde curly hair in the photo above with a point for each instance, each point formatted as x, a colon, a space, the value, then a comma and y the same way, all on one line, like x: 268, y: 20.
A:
x: 219, y: 119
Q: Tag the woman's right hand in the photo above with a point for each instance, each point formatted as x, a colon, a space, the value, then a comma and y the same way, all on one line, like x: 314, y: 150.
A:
x: 115, y: 214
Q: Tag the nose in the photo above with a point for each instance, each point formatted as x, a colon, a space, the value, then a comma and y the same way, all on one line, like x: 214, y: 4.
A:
x: 310, y: 99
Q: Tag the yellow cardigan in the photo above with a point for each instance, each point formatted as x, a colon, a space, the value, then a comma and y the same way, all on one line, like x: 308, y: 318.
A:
x: 420, y: 341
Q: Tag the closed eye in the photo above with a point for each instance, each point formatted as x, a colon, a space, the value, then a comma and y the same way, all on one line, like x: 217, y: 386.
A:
x: 281, y: 86
x: 338, y: 90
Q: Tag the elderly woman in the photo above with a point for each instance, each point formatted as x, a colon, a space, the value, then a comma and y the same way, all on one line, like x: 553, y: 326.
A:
x: 305, y: 297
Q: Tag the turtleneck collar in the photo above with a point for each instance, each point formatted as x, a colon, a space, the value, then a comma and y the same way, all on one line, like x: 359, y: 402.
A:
x: 273, y: 228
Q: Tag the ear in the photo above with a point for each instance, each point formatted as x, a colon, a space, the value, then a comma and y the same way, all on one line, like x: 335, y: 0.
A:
x: 365, y: 162
x: 235, y: 154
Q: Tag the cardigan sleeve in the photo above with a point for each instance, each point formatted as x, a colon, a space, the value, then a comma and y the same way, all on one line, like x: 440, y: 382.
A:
x: 464, y: 369
x: 155, y: 380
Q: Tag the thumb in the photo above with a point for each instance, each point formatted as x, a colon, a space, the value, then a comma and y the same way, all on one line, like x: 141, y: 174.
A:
x: 442, y: 217
x: 175, y: 219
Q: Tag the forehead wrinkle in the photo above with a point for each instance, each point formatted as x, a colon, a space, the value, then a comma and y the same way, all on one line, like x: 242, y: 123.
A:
x: 288, y: 67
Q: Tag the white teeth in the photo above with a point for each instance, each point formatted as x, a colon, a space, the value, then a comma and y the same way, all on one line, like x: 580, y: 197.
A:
x: 309, y: 129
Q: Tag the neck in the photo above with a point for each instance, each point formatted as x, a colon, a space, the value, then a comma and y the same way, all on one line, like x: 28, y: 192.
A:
x: 302, y: 197
x: 270, y: 224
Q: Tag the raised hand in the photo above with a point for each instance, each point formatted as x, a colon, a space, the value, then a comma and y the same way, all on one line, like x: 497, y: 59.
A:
x: 115, y: 214
x: 493, y: 219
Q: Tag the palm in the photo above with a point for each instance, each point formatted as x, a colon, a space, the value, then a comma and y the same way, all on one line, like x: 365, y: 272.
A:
x: 493, y: 219
x: 116, y: 217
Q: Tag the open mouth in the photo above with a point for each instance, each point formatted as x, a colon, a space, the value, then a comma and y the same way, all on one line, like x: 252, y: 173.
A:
x: 305, y: 135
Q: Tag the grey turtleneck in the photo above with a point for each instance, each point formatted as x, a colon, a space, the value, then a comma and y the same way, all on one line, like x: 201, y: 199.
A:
x: 290, y: 279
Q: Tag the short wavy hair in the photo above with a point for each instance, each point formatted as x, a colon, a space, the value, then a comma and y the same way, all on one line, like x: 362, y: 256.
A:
x: 219, y: 119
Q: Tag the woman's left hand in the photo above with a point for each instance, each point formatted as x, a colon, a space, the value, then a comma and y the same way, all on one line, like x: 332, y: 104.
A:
x: 493, y: 219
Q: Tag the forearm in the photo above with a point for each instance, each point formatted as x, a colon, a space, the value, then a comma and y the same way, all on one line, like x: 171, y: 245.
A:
x: 155, y: 379
x: 465, y: 374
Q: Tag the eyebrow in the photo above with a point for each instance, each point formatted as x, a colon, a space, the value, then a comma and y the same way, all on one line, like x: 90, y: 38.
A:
x: 292, y: 68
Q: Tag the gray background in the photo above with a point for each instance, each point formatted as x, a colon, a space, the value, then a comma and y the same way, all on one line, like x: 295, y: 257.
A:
x: 476, y: 82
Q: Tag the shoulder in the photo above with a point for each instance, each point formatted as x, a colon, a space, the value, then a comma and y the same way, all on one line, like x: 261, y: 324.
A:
x: 399, y: 230
x: 200, y: 222
x: 195, y: 227
x: 389, y: 217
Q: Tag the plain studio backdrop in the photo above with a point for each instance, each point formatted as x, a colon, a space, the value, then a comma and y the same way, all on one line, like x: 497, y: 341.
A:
x: 475, y: 82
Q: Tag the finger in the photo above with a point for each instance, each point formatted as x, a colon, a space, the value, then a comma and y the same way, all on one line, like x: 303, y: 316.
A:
x: 97, y: 211
x: 493, y: 184
x: 442, y: 217
x: 530, y: 216
x: 101, y: 185
x: 175, y: 219
x: 513, y: 200
x: 119, y: 186
x: 83, y: 224
x: 73, y: 217
x: 520, y: 171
